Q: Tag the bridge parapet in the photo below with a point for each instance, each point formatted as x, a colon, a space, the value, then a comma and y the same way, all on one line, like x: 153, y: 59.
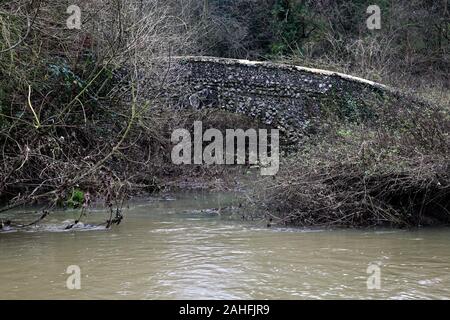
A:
x: 288, y: 97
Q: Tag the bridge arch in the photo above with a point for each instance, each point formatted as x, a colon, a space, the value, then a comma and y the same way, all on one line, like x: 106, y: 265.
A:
x: 288, y: 97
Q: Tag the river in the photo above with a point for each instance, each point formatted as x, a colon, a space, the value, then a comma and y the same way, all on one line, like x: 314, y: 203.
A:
x: 172, y: 248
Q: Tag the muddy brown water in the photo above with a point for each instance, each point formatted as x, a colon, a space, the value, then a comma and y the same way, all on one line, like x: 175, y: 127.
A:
x: 174, y: 248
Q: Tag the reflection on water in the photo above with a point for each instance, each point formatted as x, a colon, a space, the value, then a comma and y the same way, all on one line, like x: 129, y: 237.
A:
x: 172, y: 249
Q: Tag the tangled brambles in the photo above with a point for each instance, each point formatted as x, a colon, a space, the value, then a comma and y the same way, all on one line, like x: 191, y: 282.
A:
x: 394, y: 171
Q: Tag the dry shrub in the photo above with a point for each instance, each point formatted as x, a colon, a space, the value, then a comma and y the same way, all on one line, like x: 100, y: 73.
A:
x: 69, y: 99
x: 395, y: 171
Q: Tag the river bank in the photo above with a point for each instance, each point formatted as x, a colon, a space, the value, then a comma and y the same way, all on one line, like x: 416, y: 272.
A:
x: 391, y: 171
x: 78, y: 125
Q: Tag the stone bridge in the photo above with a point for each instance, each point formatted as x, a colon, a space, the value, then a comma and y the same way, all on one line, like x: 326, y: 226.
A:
x: 287, y: 97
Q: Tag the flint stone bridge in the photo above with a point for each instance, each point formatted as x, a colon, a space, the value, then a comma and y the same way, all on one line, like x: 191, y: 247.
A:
x: 287, y: 97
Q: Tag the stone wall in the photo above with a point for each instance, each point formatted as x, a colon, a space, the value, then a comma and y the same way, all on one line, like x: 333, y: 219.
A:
x: 287, y: 97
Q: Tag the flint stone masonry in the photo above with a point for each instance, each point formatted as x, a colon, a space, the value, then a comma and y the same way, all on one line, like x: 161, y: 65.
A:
x: 287, y: 97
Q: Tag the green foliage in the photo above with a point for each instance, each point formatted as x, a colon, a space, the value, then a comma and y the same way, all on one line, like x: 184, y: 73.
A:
x: 293, y: 24
x: 346, y: 108
x: 344, y: 132
x: 69, y: 77
x: 352, y: 110
x: 76, y: 199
